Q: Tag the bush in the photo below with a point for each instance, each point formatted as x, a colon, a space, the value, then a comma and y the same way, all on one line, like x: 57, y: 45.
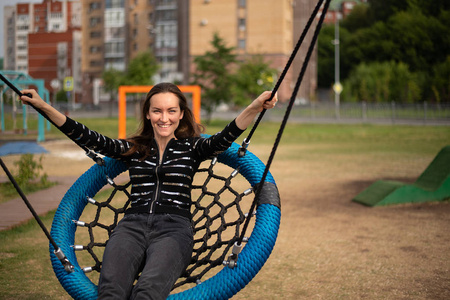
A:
x: 29, y: 177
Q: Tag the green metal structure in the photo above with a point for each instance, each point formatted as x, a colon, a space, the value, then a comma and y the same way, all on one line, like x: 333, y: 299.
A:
x: 432, y: 185
x: 22, y: 80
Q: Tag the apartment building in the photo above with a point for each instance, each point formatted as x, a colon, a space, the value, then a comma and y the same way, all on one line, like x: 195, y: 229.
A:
x: 252, y: 27
x: 115, y: 31
x: 43, y: 39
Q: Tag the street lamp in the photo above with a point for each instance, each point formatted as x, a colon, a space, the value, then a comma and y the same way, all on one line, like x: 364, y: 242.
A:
x: 337, y: 87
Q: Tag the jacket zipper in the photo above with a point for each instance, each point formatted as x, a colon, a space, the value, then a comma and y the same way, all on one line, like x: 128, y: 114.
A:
x: 160, y: 160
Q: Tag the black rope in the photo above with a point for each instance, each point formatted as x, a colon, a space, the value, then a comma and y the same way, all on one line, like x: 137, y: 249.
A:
x: 59, y: 254
x: 285, y: 119
x: 66, y: 263
x: 246, y: 142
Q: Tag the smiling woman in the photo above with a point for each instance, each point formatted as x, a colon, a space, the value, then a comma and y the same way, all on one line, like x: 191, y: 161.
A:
x: 155, y: 237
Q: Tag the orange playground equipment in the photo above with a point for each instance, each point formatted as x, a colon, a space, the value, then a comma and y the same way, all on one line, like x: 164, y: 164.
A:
x: 195, y: 90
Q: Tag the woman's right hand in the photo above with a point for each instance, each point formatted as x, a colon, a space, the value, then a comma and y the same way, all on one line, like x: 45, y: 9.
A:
x: 35, y: 99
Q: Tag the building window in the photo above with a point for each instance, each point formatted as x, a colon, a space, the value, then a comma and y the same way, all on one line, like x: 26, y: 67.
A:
x: 241, y: 44
x: 115, y: 3
x: 95, y: 34
x: 95, y: 63
x: 94, y: 49
x: 95, y: 21
x: 22, y: 27
x: 94, y: 6
x: 241, y: 24
x: 56, y: 15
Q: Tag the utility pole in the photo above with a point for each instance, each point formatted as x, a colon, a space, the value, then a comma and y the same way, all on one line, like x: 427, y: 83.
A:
x: 337, y: 87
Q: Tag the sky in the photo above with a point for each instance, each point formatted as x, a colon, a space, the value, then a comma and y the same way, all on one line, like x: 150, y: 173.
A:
x: 8, y: 3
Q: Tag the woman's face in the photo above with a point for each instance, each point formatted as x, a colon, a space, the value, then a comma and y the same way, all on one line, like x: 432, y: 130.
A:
x: 164, y: 114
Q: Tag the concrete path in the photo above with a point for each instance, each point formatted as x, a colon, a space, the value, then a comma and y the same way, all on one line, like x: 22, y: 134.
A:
x: 15, y: 212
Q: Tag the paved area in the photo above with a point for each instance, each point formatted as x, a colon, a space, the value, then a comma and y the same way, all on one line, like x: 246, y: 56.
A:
x: 15, y: 211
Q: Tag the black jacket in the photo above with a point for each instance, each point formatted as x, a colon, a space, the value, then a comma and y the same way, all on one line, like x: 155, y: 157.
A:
x: 158, y: 187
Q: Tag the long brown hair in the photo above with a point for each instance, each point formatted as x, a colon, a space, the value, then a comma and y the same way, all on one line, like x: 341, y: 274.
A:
x: 143, y: 139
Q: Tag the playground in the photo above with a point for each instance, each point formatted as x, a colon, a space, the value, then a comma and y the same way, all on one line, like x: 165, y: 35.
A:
x: 328, y: 247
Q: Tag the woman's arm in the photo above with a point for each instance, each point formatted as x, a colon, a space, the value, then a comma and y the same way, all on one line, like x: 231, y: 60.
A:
x: 77, y: 132
x: 246, y: 117
x: 53, y: 114
x: 222, y: 140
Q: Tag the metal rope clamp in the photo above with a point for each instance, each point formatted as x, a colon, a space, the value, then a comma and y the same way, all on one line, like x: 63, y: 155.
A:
x: 233, y: 257
x: 243, y: 149
x: 92, y: 155
x: 63, y: 259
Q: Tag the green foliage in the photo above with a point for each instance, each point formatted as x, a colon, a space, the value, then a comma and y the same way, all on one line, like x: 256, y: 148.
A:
x: 413, y: 32
x: 223, y: 79
x: 29, y: 177
x: 213, y: 74
x: 29, y: 169
x: 61, y: 96
x: 112, y: 79
x: 441, y: 80
x: 253, y: 77
x: 382, y: 82
x: 141, y: 69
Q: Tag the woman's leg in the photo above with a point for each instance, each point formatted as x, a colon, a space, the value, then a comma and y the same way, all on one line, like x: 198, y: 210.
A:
x: 123, y: 256
x: 168, y: 255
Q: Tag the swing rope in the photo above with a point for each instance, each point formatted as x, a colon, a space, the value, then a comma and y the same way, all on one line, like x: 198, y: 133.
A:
x: 288, y: 111
x: 246, y: 141
x: 58, y: 252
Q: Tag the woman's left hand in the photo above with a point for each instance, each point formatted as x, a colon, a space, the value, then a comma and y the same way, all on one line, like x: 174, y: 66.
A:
x: 264, y: 102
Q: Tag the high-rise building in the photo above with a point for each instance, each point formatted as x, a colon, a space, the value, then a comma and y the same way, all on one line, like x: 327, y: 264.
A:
x: 43, y: 40
x: 115, y: 31
x: 252, y: 27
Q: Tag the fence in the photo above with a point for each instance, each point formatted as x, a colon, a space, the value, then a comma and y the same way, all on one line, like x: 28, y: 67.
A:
x: 314, y: 112
x: 395, y: 113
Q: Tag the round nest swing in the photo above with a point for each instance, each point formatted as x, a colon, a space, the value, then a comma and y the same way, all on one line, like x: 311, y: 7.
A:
x: 223, y: 285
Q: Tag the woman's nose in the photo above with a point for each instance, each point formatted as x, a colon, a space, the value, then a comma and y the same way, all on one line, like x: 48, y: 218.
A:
x: 164, y: 117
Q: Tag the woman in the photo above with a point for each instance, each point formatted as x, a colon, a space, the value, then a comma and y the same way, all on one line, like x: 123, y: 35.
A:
x: 155, y: 236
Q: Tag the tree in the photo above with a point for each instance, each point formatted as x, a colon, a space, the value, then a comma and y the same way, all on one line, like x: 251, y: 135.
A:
x: 141, y: 69
x: 413, y: 32
x: 253, y: 77
x: 213, y: 74
x: 112, y: 79
x: 382, y: 82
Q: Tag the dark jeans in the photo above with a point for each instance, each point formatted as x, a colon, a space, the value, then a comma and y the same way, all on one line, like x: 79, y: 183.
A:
x: 161, y: 244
